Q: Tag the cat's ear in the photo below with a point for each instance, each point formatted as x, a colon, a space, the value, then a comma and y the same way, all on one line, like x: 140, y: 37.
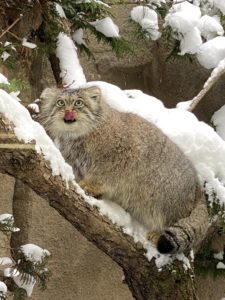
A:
x: 50, y: 94
x: 93, y: 92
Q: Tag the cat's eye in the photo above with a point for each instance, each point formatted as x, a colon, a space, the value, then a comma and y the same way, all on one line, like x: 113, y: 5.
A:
x: 79, y: 103
x: 60, y: 102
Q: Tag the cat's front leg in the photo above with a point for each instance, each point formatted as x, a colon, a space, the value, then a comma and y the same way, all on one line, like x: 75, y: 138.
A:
x: 91, y: 189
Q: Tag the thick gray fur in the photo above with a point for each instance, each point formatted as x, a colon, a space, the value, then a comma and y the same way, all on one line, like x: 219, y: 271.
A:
x: 135, y: 164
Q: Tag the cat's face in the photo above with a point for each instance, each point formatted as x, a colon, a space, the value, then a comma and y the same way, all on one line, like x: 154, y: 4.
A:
x: 73, y: 112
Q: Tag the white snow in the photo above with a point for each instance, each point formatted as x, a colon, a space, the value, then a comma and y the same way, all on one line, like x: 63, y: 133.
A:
x: 190, y: 25
x: 34, y: 107
x: 6, y: 44
x: 77, y: 37
x: 130, y: 226
x: 218, y: 120
x: 89, y: 1
x: 220, y: 4
x: 107, y: 27
x: 28, y: 130
x: 3, y: 79
x: 11, y: 272
x: 183, y: 17
x: 27, y: 285
x: 60, y: 10
x: 184, y: 105
x: 5, y: 261
x: 34, y: 253
x: 27, y: 44
x: 71, y: 71
x: 212, y: 52
x: 218, y: 255
x: 148, y: 19
x: 190, y: 42
x: 3, y: 288
x: 210, y: 27
x: 157, y: 2
x: 220, y: 265
x: 5, y: 55
x: 218, y: 69
x: 5, y: 217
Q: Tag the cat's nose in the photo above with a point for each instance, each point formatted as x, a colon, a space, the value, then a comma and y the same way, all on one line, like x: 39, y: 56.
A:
x: 69, y: 116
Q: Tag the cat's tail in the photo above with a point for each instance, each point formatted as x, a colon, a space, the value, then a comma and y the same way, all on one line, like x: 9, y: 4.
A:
x: 187, y: 232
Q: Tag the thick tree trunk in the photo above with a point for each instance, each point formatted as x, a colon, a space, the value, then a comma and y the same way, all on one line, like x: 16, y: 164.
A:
x: 142, y: 276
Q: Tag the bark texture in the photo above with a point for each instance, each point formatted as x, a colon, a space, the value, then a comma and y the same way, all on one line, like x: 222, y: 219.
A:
x: 142, y: 276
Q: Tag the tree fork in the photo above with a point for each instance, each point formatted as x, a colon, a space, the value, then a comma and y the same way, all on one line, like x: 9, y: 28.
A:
x: 143, y: 278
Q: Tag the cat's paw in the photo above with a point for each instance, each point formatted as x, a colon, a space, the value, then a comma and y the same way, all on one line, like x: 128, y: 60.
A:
x: 90, y: 189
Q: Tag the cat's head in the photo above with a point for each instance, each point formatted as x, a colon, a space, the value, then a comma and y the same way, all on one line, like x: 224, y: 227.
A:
x: 70, y: 111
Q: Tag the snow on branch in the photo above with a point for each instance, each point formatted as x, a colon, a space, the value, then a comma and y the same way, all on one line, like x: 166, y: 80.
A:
x: 196, y: 26
x: 71, y: 71
x: 214, y: 77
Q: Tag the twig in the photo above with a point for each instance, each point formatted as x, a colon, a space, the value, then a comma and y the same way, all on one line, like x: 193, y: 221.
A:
x: 214, y: 77
x: 15, y: 36
x: 11, y: 26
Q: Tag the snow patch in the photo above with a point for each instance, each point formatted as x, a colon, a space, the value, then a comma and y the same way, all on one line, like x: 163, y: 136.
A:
x: 218, y: 255
x: 107, y: 27
x: 148, y: 19
x: 220, y: 265
x: 3, y: 79
x: 5, y: 55
x: 183, y: 17
x: 220, y: 4
x: 3, y: 289
x: 27, y: 44
x: 60, y: 10
x: 77, y: 37
x: 34, y: 253
x: 212, y: 52
x: 71, y: 71
x: 191, y: 42
x: 5, y: 261
x: 210, y: 27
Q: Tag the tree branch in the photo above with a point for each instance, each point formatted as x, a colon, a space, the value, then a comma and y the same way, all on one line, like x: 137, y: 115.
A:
x: 143, y: 278
x: 11, y: 26
x: 214, y: 77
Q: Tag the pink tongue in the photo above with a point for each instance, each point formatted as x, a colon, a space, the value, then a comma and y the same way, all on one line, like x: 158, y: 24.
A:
x: 69, y: 116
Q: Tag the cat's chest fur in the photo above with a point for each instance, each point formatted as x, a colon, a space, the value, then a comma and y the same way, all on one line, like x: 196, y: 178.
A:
x: 73, y: 151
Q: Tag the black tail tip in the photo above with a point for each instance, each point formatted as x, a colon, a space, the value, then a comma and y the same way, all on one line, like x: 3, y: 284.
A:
x: 165, y: 245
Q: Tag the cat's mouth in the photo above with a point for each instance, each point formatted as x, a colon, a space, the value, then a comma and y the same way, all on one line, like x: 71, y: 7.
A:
x: 69, y: 121
x: 69, y: 116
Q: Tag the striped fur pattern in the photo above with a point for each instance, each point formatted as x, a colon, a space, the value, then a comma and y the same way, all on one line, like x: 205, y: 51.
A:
x: 131, y: 162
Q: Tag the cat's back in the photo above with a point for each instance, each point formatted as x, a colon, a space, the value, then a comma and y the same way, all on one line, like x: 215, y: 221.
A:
x: 131, y: 136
